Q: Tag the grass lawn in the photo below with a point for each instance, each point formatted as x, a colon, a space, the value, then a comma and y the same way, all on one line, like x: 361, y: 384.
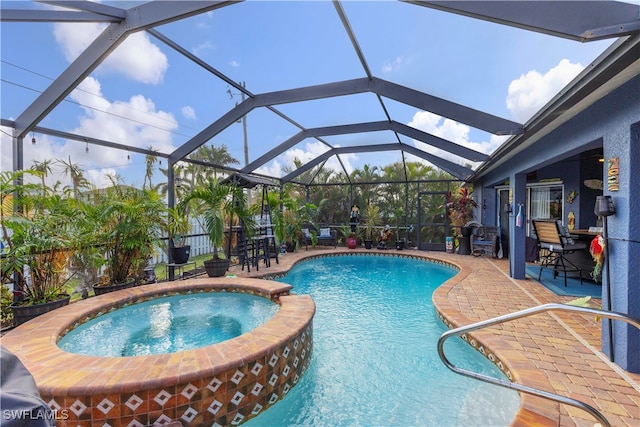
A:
x: 161, y: 271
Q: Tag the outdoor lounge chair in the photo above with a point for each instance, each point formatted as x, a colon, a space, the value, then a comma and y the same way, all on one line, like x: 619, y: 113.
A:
x: 484, y: 240
x: 553, y: 244
x: 326, y: 236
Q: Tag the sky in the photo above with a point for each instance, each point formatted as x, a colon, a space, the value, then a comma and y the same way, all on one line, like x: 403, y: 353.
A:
x: 146, y: 95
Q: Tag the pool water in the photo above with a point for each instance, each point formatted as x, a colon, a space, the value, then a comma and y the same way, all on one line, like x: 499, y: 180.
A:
x: 375, y: 359
x: 169, y: 324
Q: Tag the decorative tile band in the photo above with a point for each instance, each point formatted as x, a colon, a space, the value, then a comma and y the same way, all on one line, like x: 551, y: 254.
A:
x: 479, y: 346
x: 360, y: 253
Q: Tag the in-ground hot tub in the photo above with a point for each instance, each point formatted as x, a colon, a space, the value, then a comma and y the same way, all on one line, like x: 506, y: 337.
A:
x: 225, y: 383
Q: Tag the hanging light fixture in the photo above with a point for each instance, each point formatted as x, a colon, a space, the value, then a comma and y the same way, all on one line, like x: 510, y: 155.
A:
x: 128, y: 155
x: 86, y: 148
x: 33, y: 138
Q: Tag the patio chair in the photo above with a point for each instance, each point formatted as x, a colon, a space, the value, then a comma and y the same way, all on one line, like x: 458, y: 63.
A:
x: 553, y: 244
x: 484, y: 240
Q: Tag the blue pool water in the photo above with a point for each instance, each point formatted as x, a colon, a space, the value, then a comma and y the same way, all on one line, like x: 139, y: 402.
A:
x: 169, y: 324
x: 375, y: 360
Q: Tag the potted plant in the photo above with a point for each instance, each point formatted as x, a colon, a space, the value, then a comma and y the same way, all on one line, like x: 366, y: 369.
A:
x: 349, y: 238
x: 178, y: 226
x: 128, y: 224
x: 218, y: 203
x: 292, y: 229
x: 460, y: 210
x: 288, y: 224
x: 352, y: 240
x: 40, y: 232
x: 372, y: 219
x: 460, y: 207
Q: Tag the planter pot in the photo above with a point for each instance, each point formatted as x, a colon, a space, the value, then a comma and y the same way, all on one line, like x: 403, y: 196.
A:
x: 352, y: 242
x: 216, y: 267
x: 368, y: 244
x: 466, y: 231
x: 180, y: 254
x: 24, y: 313
x: 104, y: 289
x: 290, y: 247
x: 399, y: 245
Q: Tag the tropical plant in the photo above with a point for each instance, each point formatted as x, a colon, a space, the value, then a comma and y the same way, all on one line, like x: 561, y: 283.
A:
x: 128, y: 226
x: 372, y: 219
x: 41, y: 231
x: 178, y: 225
x: 345, y: 232
x: 289, y: 221
x: 218, y: 203
x: 460, y: 207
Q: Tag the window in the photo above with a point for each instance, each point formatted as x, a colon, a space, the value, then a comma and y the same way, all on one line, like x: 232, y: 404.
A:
x: 545, y: 202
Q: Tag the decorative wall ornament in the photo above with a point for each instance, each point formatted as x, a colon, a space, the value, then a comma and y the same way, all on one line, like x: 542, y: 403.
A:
x: 613, y: 174
x: 594, y: 184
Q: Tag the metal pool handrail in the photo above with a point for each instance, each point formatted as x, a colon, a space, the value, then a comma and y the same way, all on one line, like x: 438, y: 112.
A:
x: 525, y: 313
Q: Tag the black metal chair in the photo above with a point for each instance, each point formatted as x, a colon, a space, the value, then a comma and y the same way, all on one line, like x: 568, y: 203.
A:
x: 484, y: 240
x: 553, y: 245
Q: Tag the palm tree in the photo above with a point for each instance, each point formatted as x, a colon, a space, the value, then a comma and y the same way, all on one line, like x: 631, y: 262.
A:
x: 215, y: 155
x: 218, y: 203
x: 366, y: 175
x: 75, y: 172
x: 45, y: 167
x: 149, y: 160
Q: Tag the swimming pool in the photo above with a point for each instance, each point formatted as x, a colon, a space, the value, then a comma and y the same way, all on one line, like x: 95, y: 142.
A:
x: 169, y: 324
x: 375, y: 358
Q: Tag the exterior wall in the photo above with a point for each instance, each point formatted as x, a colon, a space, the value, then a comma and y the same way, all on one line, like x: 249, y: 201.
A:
x: 613, y: 122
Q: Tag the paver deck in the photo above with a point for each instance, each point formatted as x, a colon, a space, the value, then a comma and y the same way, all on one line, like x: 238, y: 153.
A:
x: 556, y: 352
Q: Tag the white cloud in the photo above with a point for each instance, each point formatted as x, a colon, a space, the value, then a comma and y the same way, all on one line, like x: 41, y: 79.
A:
x: 135, y: 122
x: 234, y: 64
x: 285, y: 162
x: 203, y: 48
x: 188, y: 113
x: 393, y: 65
x: 137, y: 58
x: 453, y: 131
x: 526, y: 96
x: 531, y: 91
x: 273, y: 169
